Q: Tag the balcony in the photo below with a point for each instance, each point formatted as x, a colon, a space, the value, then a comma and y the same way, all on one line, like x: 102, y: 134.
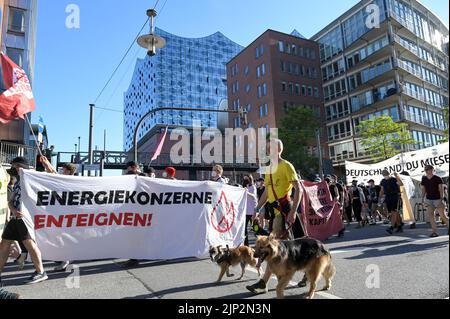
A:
x: 417, y: 73
x: 409, y: 25
x: 418, y: 119
x: 362, y: 103
x: 416, y: 95
x: 371, y: 58
x: 415, y: 52
x: 9, y: 151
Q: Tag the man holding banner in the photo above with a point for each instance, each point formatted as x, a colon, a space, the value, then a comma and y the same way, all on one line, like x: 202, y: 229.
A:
x: 17, y: 230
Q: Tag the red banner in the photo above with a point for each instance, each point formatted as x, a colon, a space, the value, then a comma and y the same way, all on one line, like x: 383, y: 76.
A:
x: 18, y: 98
x: 321, y: 214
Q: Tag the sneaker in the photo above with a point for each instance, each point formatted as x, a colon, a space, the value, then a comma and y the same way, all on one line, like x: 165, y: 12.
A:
x: 390, y: 230
x: 5, y: 295
x: 62, y: 266
x: 303, y: 283
x: 413, y: 226
x: 21, y: 260
x: 36, y: 278
x: 434, y: 235
x: 259, y: 288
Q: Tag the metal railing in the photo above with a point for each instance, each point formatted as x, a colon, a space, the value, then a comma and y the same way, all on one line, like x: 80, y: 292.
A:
x: 9, y: 151
x: 418, y: 96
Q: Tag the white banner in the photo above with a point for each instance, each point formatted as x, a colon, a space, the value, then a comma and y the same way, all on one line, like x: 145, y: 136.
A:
x: 76, y: 218
x: 412, y: 162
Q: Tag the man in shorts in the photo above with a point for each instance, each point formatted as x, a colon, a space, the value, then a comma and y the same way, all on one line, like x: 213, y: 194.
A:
x: 16, y: 229
x: 433, y: 197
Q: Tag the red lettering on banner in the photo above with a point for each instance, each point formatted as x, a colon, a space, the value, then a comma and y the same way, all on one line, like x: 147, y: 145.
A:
x: 128, y: 219
x: 39, y: 222
x: 93, y: 220
x: 82, y: 220
x: 104, y: 222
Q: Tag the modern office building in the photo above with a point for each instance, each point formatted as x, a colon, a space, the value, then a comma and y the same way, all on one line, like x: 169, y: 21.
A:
x: 17, y: 40
x: 397, y: 68
x: 189, y: 73
x: 276, y: 72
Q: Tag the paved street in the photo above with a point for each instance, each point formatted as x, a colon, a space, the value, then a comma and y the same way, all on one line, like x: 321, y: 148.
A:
x: 411, y: 266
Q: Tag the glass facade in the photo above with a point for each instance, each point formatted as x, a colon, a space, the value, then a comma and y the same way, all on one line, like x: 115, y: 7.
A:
x: 188, y: 72
x: 377, y: 76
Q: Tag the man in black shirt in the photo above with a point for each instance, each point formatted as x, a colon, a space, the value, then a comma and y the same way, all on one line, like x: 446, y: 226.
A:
x: 374, y: 196
x: 433, y: 197
x: 390, y: 191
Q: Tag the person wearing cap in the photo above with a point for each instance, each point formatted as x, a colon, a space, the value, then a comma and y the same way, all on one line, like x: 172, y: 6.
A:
x: 16, y: 229
x: 133, y: 169
x: 390, y: 195
x: 170, y: 173
x: 433, y: 197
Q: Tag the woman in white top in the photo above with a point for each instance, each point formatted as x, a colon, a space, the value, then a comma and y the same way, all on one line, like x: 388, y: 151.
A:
x: 252, y: 201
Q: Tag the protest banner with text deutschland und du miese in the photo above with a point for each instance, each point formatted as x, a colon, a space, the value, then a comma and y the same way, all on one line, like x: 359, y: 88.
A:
x: 412, y: 162
x: 76, y: 218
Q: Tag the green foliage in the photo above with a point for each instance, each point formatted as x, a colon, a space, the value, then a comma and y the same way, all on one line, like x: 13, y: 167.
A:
x: 383, y: 138
x: 446, y: 120
x: 298, y: 130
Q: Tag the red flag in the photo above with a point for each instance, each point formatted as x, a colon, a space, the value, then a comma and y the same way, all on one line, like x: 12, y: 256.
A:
x: 321, y: 214
x: 160, y: 146
x: 18, y: 98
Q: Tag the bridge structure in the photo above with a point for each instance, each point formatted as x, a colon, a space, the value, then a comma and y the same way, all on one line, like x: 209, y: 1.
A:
x: 117, y: 160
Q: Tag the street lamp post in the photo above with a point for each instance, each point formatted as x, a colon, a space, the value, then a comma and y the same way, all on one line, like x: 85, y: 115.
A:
x: 151, y: 42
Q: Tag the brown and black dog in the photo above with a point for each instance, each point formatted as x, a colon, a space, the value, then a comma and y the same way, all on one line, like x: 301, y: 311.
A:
x: 226, y: 258
x: 285, y: 258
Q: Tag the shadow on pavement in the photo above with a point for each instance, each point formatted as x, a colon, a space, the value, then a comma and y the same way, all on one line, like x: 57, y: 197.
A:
x: 394, y: 250
x: 162, y: 293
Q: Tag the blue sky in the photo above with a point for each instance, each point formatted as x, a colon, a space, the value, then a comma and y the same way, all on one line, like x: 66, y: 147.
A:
x: 73, y: 65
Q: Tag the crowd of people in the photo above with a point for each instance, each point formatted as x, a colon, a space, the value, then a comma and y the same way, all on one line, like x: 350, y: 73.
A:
x: 273, y: 207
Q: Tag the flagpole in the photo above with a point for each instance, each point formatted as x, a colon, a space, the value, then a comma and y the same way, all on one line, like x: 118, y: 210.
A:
x: 34, y: 136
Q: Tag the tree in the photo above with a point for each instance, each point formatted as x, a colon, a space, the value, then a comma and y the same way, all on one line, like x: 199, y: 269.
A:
x: 446, y: 121
x: 298, y: 131
x: 383, y: 138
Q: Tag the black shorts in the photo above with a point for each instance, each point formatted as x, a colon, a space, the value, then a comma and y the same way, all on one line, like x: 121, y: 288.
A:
x: 392, y: 203
x: 16, y: 230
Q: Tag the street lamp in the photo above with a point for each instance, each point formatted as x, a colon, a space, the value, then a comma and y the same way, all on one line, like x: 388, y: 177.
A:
x: 151, y: 42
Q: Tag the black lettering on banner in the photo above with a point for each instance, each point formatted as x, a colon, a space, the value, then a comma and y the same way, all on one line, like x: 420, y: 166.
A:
x: 177, y: 198
x: 208, y: 199
x: 74, y: 199
x: 198, y: 198
x: 111, y: 197
x: 168, y: 198
x: 119, y: 197
x: 129, y: 197
x: 143, y: 198
x: 156, y: 198
x: 62, y: 200
x: 103, y: 200
x: 42, y: 198
x: 86, y: 197
x: 187, y: 197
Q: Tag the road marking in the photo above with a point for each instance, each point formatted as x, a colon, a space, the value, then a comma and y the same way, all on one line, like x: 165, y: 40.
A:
x: 294, y: 284
x: 365, y: 248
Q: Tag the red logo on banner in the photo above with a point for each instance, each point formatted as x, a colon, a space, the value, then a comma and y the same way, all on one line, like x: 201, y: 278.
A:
x: 223, y: 215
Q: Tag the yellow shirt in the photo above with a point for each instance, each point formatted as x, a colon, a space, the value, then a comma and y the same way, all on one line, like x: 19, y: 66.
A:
x: 283, y: 175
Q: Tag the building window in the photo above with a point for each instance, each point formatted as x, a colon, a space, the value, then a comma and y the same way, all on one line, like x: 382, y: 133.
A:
x: 281, y: 46
x: 248, y: 88
x: 16, y: 55
x: 264, y: 89
x: 283, y: 86
x: 263, y: 69
x: 16, y: 20
x: 246, y: 70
